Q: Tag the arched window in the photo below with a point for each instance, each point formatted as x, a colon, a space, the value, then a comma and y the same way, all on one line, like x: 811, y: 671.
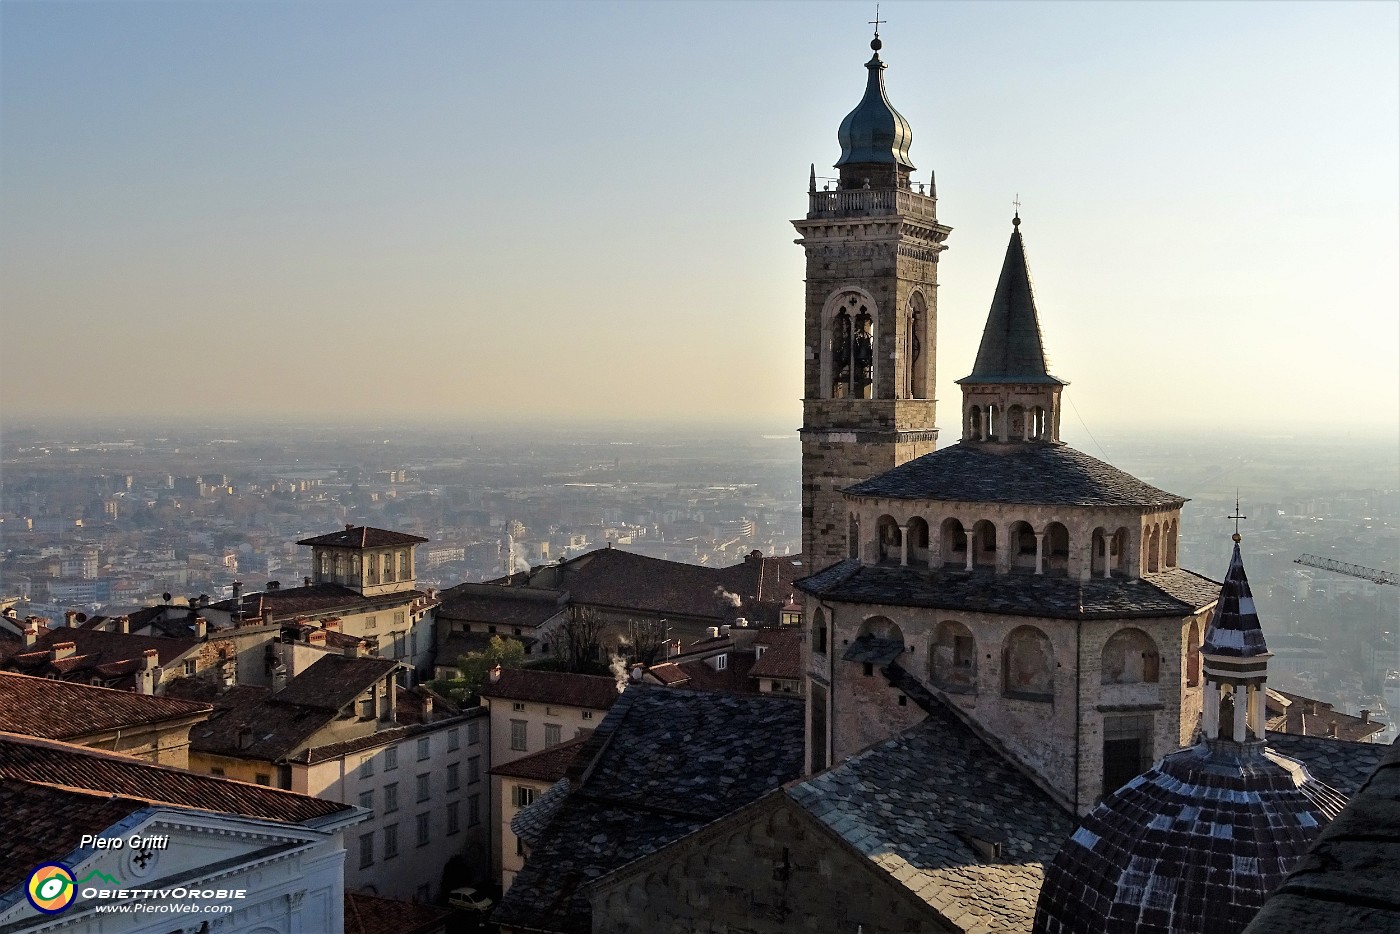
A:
x: 1038, y: 424
x: 1193, y: 655
x: 819, y: 633
x: 1098, y: 554
x: 995, y: 428
x: 1130, y: 657
x: 882, y: 628
x: 389, y: 568
x: 918, y: 542
x: 1028, y: 665
x: 339, y: 566
x: 915, y: 343
x: 1154, y: 550
x: 1021, y: 540
x: 371, y: 570
x: 1118, y: 552
x: 1170, y: 543
x: 1056, y: 550
x: 325, y: 564
x: 953, y: 658
x: 848, y: 343
x: 974, y: 423
x: 984, y: 544
x: 953, y: 543
x: 853, y: 537
x: 404, y: 572
x: 840, y: 355
x: 888, y: 536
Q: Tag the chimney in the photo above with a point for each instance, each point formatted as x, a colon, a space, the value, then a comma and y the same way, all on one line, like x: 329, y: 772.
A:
x: 273, y: 586
x: 70, y: 618
x: 237, y: 599
x: 637, y: 673
x: 349, y: 526
x: 267, y: 617
x: 316, y: 637
x: 201, y: 627
x: 150, y: 659
x: 332, y: 624
x: 245, y: 737
x: 753, y: 557
x: 306, y: 582
x: 1365, y: 715
x: 724, y: 630
x: 356, y: 649
x: 495, y: 673
x: 124, y: 624
x: 62, y: 650
x: 427, y: 707
x: 203, y: 600
x: 713, y: 631
x: 31, y: 633
x: 1332, y: 728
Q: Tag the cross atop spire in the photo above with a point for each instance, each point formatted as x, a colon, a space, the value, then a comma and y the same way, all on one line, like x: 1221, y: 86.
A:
x: 1237, y: 517
x: 876, y: 22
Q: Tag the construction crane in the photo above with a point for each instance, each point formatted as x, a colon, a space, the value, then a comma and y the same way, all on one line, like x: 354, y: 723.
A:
x: 1351, y: 570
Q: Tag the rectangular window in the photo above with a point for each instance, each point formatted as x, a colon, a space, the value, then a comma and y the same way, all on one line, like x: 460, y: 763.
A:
x: 453, y: 780
x: 367, y: 800
x: 391, y: 758
x: 551, y: 734
x: 366, y: 850
x: 403, y: 566
x: 423, y: 790
x: 398, y: 618
x: 423, y: 829
x: 519, y: 847
x: 370, y: 623
x: 425, y: 747
x: 216, y: 770
x: 521, y: 796
x: 367, y: 766
x: 473, y: 770
x: 190, y: 666
x: 454, y: 818
x: 588, y: 715
x: 517, y: 735
x: 473, y: 810
x: 721, y: 662
x: 391, y: 841
x: 473, y: 733
x: 453, y: 741
x: 517, y: 706
x: 263, y: 778
x: 391, y: 797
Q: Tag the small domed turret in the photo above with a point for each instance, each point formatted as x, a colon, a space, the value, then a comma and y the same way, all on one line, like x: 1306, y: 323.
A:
x: 874, y: 137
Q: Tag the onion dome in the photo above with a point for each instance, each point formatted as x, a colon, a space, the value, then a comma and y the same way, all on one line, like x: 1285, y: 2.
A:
x: 875, y: 133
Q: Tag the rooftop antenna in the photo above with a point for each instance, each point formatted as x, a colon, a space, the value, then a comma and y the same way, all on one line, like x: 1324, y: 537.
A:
x: 1237, y: 517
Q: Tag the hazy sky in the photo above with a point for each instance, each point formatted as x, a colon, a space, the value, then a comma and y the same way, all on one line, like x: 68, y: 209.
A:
x: 439, y: 210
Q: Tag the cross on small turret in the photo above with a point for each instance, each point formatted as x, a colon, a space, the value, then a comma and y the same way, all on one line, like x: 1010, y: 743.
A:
x: 1237, y: 517
x: 877, y: 21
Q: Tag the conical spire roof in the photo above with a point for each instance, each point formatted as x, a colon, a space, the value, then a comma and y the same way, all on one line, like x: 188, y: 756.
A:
x: 1234, y: 627
x: 875, y: 132
x: 1012, y: 350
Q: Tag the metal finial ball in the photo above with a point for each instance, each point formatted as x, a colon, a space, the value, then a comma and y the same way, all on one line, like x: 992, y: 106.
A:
x: 1016, y: 221
x: 1236, y: 538
x: 876, y: 44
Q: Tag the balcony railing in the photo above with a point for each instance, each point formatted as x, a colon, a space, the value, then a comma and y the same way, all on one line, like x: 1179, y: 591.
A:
x: 870, y: 203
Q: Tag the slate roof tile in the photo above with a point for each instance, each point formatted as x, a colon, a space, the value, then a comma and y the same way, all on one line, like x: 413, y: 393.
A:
x: 361, y: 536
x: 1035, y: 473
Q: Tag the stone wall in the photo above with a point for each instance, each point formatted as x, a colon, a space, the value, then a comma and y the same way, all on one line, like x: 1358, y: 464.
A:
x: 767, y: 869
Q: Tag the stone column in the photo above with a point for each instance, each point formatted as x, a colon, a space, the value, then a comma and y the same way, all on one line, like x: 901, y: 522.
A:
x: 1210, y: 710
x: 1040, y: 552
x: 1108, y: 554
x: 971, y: 539
x: 1241, y: 712
x: 904, y: 545
x: 1258, y: 695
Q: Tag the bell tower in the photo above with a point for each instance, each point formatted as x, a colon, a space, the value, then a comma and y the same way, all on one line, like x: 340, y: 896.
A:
x: 872, y: 244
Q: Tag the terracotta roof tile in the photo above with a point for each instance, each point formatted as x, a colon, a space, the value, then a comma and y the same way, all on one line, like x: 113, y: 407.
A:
x: 553, y: 687
x: 40, y: 824
x: 333, y: 681
x: 547, y: 765
x: 66, y: 710
x: 27, y: 759
x: 370, y: 914
x: 107, y: 654
x: 783, y: 656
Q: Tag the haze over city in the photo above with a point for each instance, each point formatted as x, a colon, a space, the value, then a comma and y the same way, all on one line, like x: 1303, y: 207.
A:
x: 371, y: 212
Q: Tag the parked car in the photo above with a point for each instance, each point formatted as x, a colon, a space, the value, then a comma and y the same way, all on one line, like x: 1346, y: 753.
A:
x: 467, y: 899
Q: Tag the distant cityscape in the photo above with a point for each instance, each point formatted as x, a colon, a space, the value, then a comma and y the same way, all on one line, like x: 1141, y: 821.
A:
x: 104, y: 525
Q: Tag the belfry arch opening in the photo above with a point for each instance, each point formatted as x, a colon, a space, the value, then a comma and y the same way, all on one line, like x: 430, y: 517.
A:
x: 848, y: 358
x: 889, y: 540
x: 984, y: 544
x: 953, y: 544
x: 1056, y: 550
x: 917, y: 345
x: 1021, y: 540
x: 917, y: 532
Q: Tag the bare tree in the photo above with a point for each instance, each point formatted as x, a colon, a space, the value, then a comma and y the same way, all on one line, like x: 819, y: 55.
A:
x: 647, y: 638
x: 577, y: 640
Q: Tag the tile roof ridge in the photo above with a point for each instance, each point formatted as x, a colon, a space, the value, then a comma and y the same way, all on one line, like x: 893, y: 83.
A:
x: 937, y: 704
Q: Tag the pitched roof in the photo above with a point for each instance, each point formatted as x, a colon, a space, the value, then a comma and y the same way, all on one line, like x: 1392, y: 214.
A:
x: 661, y: 764
x: 112, y: 656
x: 333, y: 681
x: 362, y: 536
x: 783, y: 656
x: 547, y: 765
x: 40, y: 823
x: 1309, y: 716
x: 913, y: 804
x: 291, y: 602
x: 40, y: 761
x: 1170, y: 592
x: 68, y: 710
x: 1031, y: 474
x: 1012, y: 350
x: 553, y: 687
x: 1339, y: 763
x: 497, y: 603
x: 370, y: 914
x: 1234, y: 629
